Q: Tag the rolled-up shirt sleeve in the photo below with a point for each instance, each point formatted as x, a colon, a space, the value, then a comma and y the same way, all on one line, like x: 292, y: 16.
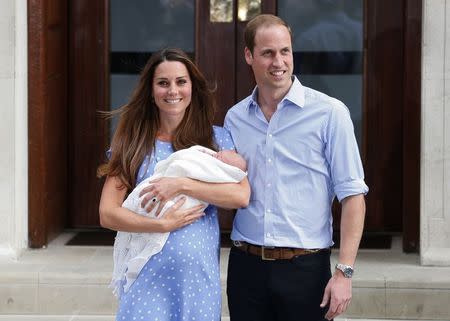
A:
x: 341, y: 150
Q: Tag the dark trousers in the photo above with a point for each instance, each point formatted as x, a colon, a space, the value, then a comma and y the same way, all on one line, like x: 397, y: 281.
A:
x: 281, y: 290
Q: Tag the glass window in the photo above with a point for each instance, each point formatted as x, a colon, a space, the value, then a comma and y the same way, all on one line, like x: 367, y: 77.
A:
x: 328, y: 49
x: 139, y: 28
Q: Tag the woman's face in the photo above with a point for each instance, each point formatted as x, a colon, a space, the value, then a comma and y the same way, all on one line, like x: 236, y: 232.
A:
x: 172, y: 89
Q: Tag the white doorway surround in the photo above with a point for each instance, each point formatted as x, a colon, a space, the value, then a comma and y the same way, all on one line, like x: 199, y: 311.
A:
x: 13, y: 128
x: 435, y: 136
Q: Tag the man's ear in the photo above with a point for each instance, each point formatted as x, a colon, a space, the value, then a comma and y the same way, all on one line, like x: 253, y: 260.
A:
x: 248, y: 56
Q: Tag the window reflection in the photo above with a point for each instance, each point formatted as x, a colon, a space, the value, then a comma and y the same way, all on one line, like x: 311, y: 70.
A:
x: 328, y: 48
x: 146, y: 26
x: 139, y: 28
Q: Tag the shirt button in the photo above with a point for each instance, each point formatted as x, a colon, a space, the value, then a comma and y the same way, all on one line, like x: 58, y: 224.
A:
x: 270, y: 135
x: 269, y: 235
x: 268, y: 184
x: 269, y: 160
x: 268, y: 211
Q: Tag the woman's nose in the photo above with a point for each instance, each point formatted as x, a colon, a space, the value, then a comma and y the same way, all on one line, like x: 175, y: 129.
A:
x: 172, y: 90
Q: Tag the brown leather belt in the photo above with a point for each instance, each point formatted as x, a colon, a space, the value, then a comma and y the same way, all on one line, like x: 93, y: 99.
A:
x: 273, y: 253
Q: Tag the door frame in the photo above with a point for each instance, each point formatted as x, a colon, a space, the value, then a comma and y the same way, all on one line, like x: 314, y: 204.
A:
x: 48, y: 203
x: 412, y: 124
x: 47, y: 120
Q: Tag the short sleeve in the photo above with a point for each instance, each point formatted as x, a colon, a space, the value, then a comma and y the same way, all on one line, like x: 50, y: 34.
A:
x: 222, y: 138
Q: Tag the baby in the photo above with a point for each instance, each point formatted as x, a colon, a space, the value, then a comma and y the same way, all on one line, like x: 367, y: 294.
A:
x: 232, y: 158
x: 133, y: 250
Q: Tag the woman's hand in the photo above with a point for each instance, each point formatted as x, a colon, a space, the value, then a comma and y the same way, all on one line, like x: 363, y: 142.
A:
x: 176, y: 218
x: 160, y: 191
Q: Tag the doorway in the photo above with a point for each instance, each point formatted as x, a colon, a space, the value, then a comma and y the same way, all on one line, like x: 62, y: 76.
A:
x: 105, y: 55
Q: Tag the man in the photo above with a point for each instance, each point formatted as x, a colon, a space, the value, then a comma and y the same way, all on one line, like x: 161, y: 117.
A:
x: 301, y: 152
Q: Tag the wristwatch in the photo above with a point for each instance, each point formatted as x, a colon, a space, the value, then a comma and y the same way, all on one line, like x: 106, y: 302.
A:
x: 347, y: 270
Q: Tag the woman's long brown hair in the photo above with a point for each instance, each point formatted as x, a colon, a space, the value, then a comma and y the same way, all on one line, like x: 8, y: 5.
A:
x: 139, y: 121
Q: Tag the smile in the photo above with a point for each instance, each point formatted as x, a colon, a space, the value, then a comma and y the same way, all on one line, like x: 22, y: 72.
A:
x: 277, y: 73
x: 172, y: 101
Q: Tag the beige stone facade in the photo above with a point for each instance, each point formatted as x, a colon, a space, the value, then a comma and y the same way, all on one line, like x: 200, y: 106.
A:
x: 435, y: 136
x: 13, y: 127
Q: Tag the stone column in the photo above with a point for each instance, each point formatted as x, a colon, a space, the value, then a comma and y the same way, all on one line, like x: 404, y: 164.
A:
x: 13, y: 127
x: 435, y: 140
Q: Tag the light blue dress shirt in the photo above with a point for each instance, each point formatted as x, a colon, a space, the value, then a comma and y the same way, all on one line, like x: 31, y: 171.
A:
x: 297, y: 163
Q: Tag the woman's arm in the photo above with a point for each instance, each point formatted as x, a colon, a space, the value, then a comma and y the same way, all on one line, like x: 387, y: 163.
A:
x: 115, y: 217
x: 226, y: 195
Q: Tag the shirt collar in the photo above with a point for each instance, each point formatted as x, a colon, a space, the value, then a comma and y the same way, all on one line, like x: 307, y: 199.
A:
x: 295, y: 95
x: 252, y: 102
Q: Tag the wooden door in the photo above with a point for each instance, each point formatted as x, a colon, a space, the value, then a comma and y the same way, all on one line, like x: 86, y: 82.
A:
x: 88, y: 95
x: 392, y: 123
x: 389, y: 129
x: 47, y: 119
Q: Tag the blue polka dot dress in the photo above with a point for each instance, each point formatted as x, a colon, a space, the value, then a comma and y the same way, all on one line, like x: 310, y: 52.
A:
x: 182, y: 282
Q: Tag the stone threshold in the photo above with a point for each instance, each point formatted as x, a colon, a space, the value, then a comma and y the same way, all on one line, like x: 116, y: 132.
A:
x: 73, y: 281
x: 111, y: 318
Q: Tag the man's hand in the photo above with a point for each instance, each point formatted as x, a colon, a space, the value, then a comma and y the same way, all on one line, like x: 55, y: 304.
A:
x: 338, y: 294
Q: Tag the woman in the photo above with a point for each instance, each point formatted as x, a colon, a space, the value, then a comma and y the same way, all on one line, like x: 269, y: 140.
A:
x: 171, y: 109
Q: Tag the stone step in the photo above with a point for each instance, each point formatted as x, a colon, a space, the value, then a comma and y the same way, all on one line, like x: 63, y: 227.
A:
x: 65, y: 281
x: 111, y: 318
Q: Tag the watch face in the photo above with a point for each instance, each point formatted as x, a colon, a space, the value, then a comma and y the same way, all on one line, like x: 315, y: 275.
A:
x: 348, y: 272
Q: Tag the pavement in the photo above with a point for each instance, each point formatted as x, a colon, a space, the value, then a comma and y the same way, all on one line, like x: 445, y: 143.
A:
x: 61, y: 283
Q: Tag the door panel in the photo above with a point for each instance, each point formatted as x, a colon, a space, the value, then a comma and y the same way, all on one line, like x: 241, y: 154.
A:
x: 384, y: 126
x: 214, y: 58
x: 88, y: 94
x: 412, y: 125
x: 47, y: 119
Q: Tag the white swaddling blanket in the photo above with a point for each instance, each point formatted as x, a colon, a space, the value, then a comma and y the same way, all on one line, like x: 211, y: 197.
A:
x: 133, y: 250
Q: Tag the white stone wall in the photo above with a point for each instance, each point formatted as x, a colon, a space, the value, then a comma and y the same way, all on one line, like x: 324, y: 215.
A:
x: 13, y: 127
x: 435, y: 140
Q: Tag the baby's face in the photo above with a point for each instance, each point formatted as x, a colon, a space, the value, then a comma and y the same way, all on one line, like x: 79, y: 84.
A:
x: 232, y: 158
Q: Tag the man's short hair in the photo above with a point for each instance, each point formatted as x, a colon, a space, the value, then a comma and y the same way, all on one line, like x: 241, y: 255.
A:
x: 263, y: 20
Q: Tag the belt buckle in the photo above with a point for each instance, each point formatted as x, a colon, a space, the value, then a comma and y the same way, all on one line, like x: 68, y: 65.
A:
x: 263, y: 255
x: 237, y: 243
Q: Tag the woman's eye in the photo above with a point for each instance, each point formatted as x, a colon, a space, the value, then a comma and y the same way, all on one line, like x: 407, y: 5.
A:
x: 163, y: 83
x: 182, y: 82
